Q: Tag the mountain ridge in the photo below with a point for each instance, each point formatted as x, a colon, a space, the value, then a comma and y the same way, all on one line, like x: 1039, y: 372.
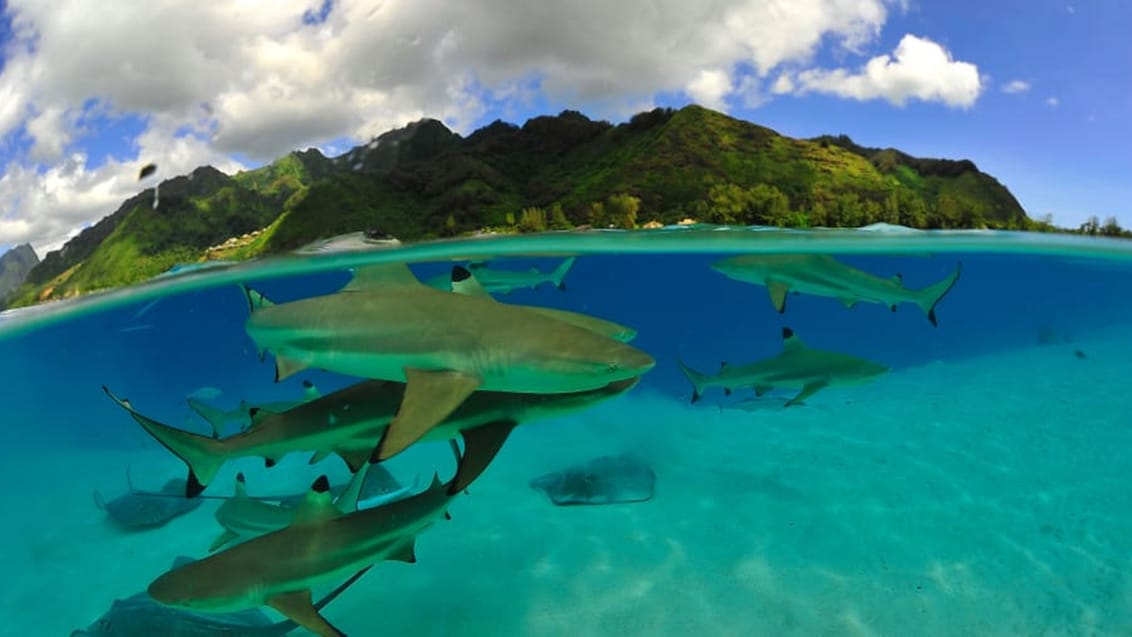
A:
x: 425, y: 181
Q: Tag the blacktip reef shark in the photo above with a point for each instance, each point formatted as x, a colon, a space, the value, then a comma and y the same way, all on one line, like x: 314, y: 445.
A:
x: 358, y: 421
x: 464, y: 281
x: 823, y: 275
x: 499, y: 281
x: 385, y: 324
x: 243, y: 517
x: 797, y: 367
x: 217, y: 418
x: 139, y: 616
x: 322, y: 545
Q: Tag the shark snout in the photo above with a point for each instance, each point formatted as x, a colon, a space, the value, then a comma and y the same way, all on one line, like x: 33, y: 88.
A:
x: 632, y: 361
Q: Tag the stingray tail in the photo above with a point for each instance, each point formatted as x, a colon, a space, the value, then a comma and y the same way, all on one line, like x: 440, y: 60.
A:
x: 558, y: 276
x: 202, y: 455
x: 698, y: 380
x: 933, y: 294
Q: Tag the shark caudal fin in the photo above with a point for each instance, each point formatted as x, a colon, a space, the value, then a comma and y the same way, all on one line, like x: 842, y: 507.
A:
x: 558, y: 276
x: 202, y: 455
x: 217, y: 417
x: 698, y: 380
x: 930, y: 296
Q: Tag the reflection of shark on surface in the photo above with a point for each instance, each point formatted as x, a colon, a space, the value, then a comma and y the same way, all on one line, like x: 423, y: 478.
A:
x: 823, y: 275
x: 321, y: 545
x: 385, y: 324
x: 217, y: 418
x: 501, y: 281
x: 797, y: 367
x: 140, y: 616
x: 352, y: 421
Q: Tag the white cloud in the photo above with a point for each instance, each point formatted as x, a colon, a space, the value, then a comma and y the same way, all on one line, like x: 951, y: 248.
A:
x: 247, y: 77
x: 918, y: 69
x: 710, y: 87
x: 1016, y: 86
x: 1053, y: 102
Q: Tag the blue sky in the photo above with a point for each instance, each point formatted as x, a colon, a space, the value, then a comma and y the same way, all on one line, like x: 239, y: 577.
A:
x: 1036, y: 93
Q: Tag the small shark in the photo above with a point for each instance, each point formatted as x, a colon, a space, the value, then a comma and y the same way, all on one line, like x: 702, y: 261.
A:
x: 243, y: 517
x: 503, y: 281
x: 797, y: 367
x: 321, y: 545
x: 139, y: 616
x: 352, y: 420
x: 825, y: 276
x: 217, y: 418
x: 385, y: 324
x: 464, y: 281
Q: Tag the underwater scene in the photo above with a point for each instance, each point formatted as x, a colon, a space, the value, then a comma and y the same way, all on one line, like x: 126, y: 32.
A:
x: 694, y: 430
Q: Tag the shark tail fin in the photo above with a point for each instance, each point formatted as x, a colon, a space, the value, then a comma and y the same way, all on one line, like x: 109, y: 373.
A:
x: 215, y: 416
x: 202, y: 455
x: 933, y: 294
x: 558, y: 276
x: 698, y: 380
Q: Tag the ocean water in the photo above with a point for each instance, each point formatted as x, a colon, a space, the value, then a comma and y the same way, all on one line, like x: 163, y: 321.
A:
x: 980, y: 487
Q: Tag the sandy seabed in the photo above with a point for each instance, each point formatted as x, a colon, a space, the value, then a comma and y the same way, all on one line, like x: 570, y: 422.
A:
x: 987, y: 496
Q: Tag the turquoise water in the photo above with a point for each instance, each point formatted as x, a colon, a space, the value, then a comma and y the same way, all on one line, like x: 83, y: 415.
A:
x: 977, y: 487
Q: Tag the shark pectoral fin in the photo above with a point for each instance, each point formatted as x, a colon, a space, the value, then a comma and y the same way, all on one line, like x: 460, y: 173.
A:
x: 808, y: 390
x: 481, y: 444
x: 464, y: 282
x: 317, y: 505
x: 406, y: 554
x: 286, y: 367
x: 429, y: 398
x: 778, y: 292
x: 222, y: 539
x: 381, y: 276
x: 297, y: 607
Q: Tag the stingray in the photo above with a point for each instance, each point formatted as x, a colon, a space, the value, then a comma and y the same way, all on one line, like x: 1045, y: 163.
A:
x: 140, y: 616
x: 137, y: 510
x: 604, y: 480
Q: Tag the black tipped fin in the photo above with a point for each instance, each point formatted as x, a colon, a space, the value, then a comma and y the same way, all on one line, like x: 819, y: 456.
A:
x: 269, y: 462
x: 726, y: 391
x: 193, y: 487
x: 460, y: 273
x: 321, y: 485
x: 562, y: 286
x: 695, y: 396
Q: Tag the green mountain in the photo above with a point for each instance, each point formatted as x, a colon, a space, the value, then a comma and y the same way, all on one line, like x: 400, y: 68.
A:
x: 424, y: 181
x: 15, y: 265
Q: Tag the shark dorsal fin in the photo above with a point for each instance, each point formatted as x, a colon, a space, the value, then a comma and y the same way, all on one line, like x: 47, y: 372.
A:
x: 317, y: 506
x: 310, y: 392
x: 464, y: 282
x: 790, y: 341
x: 241, y: 487
x: 256, y: 300
x: 347, y: 502
x: 380, y: 276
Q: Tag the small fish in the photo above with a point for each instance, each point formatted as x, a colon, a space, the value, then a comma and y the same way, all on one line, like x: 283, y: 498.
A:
x: 797, y: 367
x: 823, y: 275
